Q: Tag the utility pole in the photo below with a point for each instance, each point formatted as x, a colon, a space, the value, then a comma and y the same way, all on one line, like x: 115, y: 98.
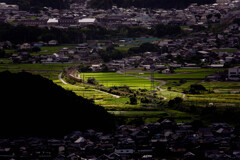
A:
x: 152, y: 67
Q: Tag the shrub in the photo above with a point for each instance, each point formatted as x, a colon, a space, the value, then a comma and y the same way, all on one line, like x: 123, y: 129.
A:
x: 92, y: 80
x: 133, y: 99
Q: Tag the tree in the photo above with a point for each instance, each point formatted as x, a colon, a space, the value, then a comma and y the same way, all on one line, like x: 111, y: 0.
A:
x: 105, y: 68
x: 36, y: 49
x: 176, y: 102
x: 2, y: 53
x: 133, y: 99
x: 92, y: 80
x: 145, y: 100
x: 196, y: 89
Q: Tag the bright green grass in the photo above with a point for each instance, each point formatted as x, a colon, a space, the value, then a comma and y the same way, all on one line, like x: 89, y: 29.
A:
x: 115, y: 79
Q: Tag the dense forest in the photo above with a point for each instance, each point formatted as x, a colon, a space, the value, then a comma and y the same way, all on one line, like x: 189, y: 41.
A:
x: 34, y: 106
x: 36, y: 5
x: 22, y: 34
x: 164, y: 4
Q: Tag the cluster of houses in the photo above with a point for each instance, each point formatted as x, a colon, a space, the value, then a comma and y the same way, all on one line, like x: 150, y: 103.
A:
x: 160, y: 140
x: 79, y: 15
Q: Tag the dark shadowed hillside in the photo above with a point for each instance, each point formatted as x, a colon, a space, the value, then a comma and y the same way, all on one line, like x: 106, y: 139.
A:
x: 164, y: 4
x: 33, y: 105
x: 36, y: 5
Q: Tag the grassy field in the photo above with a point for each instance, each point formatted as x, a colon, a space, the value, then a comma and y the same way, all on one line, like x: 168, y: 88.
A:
x: 115, y: 79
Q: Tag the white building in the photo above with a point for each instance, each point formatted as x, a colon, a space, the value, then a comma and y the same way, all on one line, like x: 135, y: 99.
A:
x: 86, y: 21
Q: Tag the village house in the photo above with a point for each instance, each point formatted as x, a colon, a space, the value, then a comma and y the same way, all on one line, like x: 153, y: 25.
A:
x: 52, y: 43
x: 234, y: 74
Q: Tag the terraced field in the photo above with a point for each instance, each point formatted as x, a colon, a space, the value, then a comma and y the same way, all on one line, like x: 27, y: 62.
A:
x: 84, y: 91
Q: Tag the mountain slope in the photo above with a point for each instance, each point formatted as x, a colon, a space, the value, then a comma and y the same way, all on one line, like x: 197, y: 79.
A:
x: 32, y: 105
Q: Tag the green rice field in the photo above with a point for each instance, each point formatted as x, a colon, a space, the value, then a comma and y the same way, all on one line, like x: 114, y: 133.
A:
x: 115, y: 79
x: 180, y: 74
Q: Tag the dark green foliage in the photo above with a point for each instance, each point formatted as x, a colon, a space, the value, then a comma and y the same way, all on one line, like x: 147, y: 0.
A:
x: 133, y: 99
x: 105, y: 68
x: 23, y: 34
x: 36, y: 49
x: 145, y: 100
x: 92, y: 80
x: 35, y: 106
x: 37, y: 5
x: 162, y: 30
x: 196, y: 124
x: 84, y: 68
x: 111, y: 54
x: 236, y: 21
x: 165, y: 4
x: 2, y: 53
x: 182, y: 81
x: 145, y: 47
x: 176, y: 102
x: 196, y: 89
x: 102, y: 4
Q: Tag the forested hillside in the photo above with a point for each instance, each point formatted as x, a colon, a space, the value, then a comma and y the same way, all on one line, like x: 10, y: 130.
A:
x: 34, y: 106
x: 164, y: 4
x: 36, y: 5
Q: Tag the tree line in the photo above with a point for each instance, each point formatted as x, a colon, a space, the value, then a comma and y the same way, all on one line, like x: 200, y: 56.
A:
x: 164, y: 4
x: 22, y: 34
x: 37, y: 5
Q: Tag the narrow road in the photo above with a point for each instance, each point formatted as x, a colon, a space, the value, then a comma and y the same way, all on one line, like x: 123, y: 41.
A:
x: 60, y: 78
